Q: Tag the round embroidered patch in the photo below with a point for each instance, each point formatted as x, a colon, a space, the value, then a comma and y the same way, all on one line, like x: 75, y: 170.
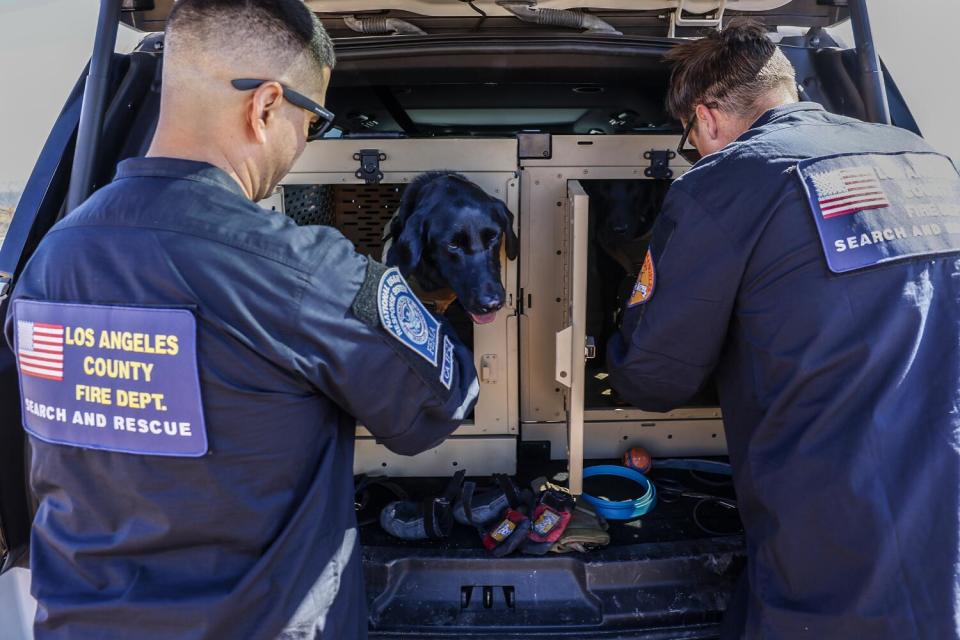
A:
x: 411, y: 320
x: 643, y: 288
x: 405, y: 317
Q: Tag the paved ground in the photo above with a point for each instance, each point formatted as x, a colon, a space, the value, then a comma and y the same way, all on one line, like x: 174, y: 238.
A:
x: 16, y: 605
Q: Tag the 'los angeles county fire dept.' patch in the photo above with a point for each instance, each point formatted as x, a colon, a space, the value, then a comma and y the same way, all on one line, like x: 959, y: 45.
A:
x: 405, y: 317
x: 112, y: 378
x: 646, y: 281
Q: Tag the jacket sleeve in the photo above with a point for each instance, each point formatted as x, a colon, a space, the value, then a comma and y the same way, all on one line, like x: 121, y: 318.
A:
x: 668, y: 346
x: 410, y: 387
x: 6, y: 310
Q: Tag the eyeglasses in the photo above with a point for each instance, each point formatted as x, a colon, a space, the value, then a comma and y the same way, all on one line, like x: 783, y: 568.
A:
x: 324, y: 118
x: 691, y: 154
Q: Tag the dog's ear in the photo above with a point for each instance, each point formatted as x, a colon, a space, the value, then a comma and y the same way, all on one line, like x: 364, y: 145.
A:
x: 407, y: 230
x: 408, y: 246
x: 505, y: 219
x: 408, y: 227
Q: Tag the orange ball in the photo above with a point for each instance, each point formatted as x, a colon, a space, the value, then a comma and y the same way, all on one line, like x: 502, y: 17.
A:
x: 638, y: 458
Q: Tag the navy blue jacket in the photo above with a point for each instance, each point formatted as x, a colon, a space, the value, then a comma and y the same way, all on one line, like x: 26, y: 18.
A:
x: 779, y: 266
x: 291, y: 350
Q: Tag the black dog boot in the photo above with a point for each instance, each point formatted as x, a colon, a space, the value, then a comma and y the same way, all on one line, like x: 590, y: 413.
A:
x: 370, y: 492
x: 507, y: 529
x: 430, y: 519
x: 481, y: 508
x: 508, y: 534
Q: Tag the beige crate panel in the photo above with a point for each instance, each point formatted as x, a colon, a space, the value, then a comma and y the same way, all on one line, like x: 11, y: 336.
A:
x: 361, y: 213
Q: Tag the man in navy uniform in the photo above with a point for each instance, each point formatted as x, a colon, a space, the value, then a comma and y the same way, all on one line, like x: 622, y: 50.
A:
x: 811, y: 262
x: 193, y: 366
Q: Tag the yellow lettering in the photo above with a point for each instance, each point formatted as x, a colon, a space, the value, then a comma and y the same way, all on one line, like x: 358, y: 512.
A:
x: 78, y: 336
x: 95, y: 395
x: 136, y: 342
x: 140, y: 400
x: 122, y: 369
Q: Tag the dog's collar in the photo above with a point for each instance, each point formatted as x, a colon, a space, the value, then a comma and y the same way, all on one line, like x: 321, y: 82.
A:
x: 438, y: 299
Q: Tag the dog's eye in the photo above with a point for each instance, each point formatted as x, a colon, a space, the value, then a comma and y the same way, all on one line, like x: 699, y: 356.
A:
x: 453, y: 247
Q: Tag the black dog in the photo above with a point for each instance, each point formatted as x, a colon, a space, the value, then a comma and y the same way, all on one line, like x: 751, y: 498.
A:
x: 622, y: 213
x: 447, y: 235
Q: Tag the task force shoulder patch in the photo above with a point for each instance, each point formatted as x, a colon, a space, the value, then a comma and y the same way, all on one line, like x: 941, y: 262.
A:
x: 120, y: 379
x: 871, y: 208
x: 646, y: 281
x: 405, y: 318
x: 446, y: 371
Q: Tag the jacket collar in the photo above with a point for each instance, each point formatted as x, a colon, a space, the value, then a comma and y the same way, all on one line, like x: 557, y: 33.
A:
x: 772, y: 115
x: 178, y: 168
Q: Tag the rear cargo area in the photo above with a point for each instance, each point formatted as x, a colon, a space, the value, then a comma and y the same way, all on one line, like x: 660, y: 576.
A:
x: 668, y: 574
x: 675, y: 518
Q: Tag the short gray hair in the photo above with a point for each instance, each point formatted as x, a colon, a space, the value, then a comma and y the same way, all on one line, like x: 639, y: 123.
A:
x: 284, y: 29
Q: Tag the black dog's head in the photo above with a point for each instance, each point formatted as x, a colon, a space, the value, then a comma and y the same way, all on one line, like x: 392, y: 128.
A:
x: 447, y: 233
x: 623, y: 212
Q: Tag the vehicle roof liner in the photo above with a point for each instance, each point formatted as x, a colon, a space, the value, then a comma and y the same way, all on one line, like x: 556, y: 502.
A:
x: 651, y: 17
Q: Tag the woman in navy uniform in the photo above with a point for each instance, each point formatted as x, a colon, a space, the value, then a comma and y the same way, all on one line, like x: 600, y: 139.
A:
x: 810, y: 262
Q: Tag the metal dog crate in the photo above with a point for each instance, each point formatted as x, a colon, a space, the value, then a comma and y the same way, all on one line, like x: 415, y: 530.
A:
x: 554, y: 221
x: 488, y: 443
x: 530, y: 360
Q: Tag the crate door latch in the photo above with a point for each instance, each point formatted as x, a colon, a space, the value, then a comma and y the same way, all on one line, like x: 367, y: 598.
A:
x: 369, y: 170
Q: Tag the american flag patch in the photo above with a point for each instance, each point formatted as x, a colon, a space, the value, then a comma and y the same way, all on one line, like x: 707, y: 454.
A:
x: 40, y: 349
x: 844, y: 191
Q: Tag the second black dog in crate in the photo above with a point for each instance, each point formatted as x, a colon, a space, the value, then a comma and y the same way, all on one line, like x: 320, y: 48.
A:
x: 448, y: 238
x: 622, y: 213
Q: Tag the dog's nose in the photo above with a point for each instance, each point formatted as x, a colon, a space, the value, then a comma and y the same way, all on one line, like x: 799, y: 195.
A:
x: 487, y: 304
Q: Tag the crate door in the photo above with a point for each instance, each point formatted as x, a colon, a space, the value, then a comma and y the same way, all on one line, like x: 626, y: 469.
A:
x: 572, y: 339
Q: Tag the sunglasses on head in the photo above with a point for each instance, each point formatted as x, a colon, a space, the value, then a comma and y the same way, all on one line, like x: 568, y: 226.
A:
x: 690, y: 153
x: 324, y: 118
